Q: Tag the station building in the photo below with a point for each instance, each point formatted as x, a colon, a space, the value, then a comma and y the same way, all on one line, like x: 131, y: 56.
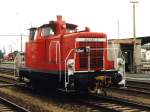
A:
x: 127, y: 47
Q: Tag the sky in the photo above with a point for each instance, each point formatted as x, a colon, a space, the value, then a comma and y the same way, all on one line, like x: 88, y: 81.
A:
x: 100, y: 15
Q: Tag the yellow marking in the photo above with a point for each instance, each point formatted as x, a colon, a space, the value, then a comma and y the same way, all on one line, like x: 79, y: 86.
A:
x: 101, y: 78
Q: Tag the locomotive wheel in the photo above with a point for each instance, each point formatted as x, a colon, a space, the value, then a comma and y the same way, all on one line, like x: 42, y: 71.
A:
x: 98, y: 88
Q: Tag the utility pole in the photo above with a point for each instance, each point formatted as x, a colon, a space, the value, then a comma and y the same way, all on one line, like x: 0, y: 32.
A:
x: 118, y: 32
x: 21, y: 43
x: 118, y: 29
x: 10, y: 47
x: 134, y: 37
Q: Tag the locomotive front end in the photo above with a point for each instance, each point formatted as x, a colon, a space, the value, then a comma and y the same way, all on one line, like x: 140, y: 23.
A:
x: 89, y: 67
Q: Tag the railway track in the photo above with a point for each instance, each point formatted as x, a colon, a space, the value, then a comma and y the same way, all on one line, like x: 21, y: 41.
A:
x: 112, y: 104
x: 140, y: 87
x: 141, y: 90
x: 6, y: 81
x: 8, y: 106
x: 132, y: 86
x: 4, y: 84
x: 7, y: 70
x: 4, y: 78
x: 139, y: 84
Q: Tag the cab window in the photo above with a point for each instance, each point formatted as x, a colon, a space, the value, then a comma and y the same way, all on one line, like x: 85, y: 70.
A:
x: 46, y: 31
x: 69, y: 30
x: 32, y: 34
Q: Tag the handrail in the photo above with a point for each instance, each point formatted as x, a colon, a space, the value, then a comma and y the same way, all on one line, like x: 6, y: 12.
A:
x: 66, y: 82
x: 57, y: 45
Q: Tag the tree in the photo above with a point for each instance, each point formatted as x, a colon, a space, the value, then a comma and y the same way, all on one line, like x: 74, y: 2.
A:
x: 1, y: 54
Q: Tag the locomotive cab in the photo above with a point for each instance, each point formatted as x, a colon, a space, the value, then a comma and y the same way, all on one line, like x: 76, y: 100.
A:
x: 32, y: 34
x: 59, y: 56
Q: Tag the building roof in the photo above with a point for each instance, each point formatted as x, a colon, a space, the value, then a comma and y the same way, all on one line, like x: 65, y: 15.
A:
x: 141, y: 40
x: 144, y: 40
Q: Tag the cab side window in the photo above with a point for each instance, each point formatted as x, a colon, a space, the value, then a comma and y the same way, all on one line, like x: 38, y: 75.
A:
x: 47, y: 31
x: 32, y: 34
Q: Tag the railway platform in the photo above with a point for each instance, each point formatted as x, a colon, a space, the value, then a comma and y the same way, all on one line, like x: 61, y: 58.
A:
x: 138, y: 77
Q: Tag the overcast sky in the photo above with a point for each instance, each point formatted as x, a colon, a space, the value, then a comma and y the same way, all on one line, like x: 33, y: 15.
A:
x: 100, y: 15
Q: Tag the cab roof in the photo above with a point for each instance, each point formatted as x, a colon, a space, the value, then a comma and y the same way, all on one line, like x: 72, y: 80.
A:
x: 53, y: 23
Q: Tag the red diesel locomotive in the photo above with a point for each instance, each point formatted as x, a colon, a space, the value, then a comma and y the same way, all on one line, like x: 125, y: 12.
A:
x: 59, y: 56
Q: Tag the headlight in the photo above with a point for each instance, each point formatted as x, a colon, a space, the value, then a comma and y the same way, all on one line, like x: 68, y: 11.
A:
x: 70, y: 66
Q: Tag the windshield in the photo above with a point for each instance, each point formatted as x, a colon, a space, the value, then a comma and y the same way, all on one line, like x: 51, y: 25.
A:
x: 46, y: 31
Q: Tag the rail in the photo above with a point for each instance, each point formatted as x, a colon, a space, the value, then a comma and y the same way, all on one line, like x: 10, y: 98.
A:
x: 114, y: 104
x: 134, y: 87
x: 8, y: 70
x: 8, y: 106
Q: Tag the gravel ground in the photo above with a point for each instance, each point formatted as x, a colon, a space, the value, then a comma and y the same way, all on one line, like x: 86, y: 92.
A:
x: 33, y: 103
x: 38, y: 103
